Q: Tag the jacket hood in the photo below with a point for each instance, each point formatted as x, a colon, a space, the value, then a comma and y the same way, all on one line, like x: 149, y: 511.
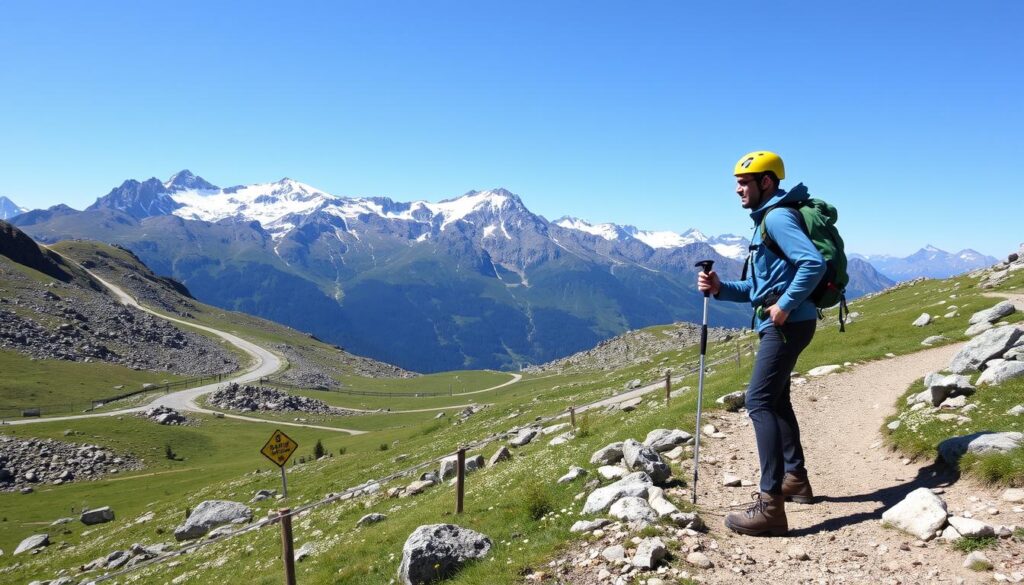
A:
x: 797, y: 193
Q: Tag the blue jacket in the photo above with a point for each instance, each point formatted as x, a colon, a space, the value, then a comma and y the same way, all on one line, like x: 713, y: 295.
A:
x: 769, y: 273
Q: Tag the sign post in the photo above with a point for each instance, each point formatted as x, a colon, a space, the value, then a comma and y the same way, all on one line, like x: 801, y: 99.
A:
x: 278, y: 449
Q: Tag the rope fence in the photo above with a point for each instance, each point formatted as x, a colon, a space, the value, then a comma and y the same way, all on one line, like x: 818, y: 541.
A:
x: 285, y: 515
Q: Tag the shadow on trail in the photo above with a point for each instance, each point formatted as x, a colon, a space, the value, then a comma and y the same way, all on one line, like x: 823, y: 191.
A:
x: 936, y: 475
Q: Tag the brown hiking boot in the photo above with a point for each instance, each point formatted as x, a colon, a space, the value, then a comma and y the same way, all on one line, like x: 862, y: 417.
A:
x: 766, y: 516
x: 797, y: 489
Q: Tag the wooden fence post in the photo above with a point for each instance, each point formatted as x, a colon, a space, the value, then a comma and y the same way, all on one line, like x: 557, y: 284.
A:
x: 668, y: 386
x: 287, y: 546
x: 572, y: 416
x: 738, y: 362
x: 460, y: 480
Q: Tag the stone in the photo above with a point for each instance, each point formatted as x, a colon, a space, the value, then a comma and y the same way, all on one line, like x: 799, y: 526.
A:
x: 304, y: 551
x: 97, y: 516
x: 797, y: 553
x: 635, y: 484
x: 688, y: 520
x: 589, y: 525
x: 1016, y: 410
x: 949, y: 534
x: 733, y: 401
x: 977, y: 561
x: 449, y: 468
x: 418, y: 487
x: 1013, y: 495
x: 474, y: 463
x: 656, y: 499
x: 970, y: 527
x: 977, y: 329
x: 990, y: 344
x: 699, y: 560
x: 562, y: 439
x: 524, y: 437
x: 955, y: 402
x: 438, y: 551
x: 555, y: 428
x: 574, y: 474
x: 921, y: 513
x: 641, y: 458
x: 634, y: 510
x: 662, y: 440
x: 939, y: 388
x: 923, y: 320
x: 993, y: 314
x: 608, y: 455
x: 824, y: 370
x: 649, y: 553
x: 731, y: 480
x: 210, y: 514
x: 952, y: 449
x: 933, y: 340
x: 630, y: 405
x: 612, y: 471
x: 371, y: 519
x: 1001, y: 372
x: 502, y: 454
x: 613, y: 553
x: 678, y: 452
x: 33, y: 542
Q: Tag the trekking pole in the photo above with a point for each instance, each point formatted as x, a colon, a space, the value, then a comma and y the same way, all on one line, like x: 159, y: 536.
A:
x: 705, y: 265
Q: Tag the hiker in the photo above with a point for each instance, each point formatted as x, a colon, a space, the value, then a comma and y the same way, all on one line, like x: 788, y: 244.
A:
x: 785, y: 319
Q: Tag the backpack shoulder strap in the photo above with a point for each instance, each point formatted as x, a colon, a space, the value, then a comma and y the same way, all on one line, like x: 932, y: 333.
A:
x: 771, y: 244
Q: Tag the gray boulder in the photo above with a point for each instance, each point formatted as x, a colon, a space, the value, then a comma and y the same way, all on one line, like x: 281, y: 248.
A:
x: 662, y: 440
x: 923, y: 320
x: 97, y: 516
x: 589, y: 525
x: 990, y: 344
x: 1001, y: 372
x: 574, y: 474
x: 502, y: 454
x: 635, y: 485
x: 921, y: 513
x: 607, y: 455
x: 952, y: 449
x: 474, y: 463
x: 970, y: 527
x: 641, y: 458
x: 649, y: 553
x: 210, y: 514
x: 438, y: 551
x: 933, y: 339
x: 733, y: 401
x: 994, y: 314
x: 371, y: 519
x: 940, y: 387
x: 977, y: 328
x: 449, y: 467
x: 633, y: 510
x: 33, y: 542
x: 524, y: 437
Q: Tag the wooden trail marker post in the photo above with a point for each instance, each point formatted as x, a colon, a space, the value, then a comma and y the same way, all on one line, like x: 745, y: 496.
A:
x: 460, y: 480
x: 668, y: 386
x: 279, y: 449
x: 287, y: 545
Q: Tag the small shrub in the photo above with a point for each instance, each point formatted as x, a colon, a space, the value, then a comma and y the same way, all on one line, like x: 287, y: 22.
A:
x: 584, y: 428
x: 538, y: 500
x: 342, y: 450
x: 383, y: 447
x: 169, y: 452
x: 318, y: 450
x: 969, y: 544
x: 1018, y: 534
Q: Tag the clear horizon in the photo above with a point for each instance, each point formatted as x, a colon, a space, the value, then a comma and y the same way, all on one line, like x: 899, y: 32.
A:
x: 901, y: 115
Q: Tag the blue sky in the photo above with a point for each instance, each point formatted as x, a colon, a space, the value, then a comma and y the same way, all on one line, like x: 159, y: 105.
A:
x: 908, y: 116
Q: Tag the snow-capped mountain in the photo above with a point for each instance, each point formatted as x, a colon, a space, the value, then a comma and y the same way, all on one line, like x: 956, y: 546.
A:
x: 728, y: 245
x: 930, y: 262
x: 9, y: 209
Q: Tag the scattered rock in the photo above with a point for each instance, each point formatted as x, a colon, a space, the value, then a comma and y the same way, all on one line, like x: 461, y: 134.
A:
x: 641, y: 458
x: 970, y: 527
x: 210, y: 514
x: 824, y: 370
x: 952, y: 449
x: 990, y: 344
x: 933, y: 340
x: 921, y: 513
x: 438, y: 551
x: 1001, y: 372
x: 649, y: 552
x: 33, y: 542
x: 797, y: 553
x: 371, y: 519
x: 574, y: 473
x: 607, y: 455
x: 699, y: 560
x: 977, y: 561
x: 635, y: 485
x: 994, y: 314
x: 662, y: 440
x: 1013, y: 495
x: 923, y: 320
x: 304, y: 551
x: 589, y: 525
x: 523, y: 437
x: 633, y: 510
x: 502, y: 454
x: 97, y: 516
x: 733, y: 401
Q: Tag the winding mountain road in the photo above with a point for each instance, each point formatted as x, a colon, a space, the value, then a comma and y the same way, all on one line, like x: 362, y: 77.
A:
x: 264, y: 363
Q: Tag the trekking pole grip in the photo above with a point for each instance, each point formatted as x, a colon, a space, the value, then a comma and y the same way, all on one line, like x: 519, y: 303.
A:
x: 705, y: 266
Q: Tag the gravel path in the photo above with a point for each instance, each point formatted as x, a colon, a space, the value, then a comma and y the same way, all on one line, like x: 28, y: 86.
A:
x: 855, y: 479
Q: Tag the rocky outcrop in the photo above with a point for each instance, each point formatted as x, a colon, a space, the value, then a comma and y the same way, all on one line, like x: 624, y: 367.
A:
x: 257, y: 398
x: 29, y: 462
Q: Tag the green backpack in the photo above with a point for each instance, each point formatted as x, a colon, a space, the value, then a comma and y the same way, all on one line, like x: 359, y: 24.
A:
x: 818, y: 220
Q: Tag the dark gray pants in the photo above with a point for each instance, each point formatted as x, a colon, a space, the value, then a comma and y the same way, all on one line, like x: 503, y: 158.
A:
x: 769, y: 405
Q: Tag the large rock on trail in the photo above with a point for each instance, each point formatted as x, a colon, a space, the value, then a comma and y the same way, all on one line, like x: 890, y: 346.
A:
x: 952, y: 449
x: 209, y: 515
x: 921, y: 513
x: 990, y: 344
x: 635, y: 485
x: 436, y: 551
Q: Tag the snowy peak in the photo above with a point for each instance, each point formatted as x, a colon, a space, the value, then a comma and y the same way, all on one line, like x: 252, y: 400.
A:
x: 184, y: 180
x: 727, y: 245
x: 608, y: 231
x: 9, y: 209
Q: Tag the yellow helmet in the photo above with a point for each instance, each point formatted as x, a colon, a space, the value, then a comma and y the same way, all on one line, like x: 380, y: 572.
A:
x: 761, y: 161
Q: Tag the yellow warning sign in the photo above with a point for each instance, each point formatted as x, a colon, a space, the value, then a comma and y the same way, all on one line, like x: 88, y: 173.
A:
x: 279, y: 448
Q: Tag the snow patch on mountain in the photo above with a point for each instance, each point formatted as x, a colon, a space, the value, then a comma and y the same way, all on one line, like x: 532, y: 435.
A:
x: 608, y: 231
x: 9, y: 209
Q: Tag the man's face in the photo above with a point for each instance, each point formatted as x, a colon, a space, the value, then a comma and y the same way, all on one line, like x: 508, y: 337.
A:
x: 748, y: 190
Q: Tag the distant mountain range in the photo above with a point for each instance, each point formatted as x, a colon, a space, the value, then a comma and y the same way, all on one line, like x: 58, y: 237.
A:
x: 477, y: 281
x: 9, y: 209
x: 929, y: 262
